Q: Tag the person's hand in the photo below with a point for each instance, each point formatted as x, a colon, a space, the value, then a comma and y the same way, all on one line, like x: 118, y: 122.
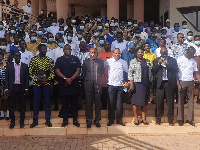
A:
x: 160, y: 61
x: 166, y: 63
x: 179, y: 87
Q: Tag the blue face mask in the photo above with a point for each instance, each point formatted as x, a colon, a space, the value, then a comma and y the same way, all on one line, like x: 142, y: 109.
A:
x: 83, y: 21
x: 25, y: 21
x: 145, y: 25
x: 99, y: 27
x: 176, y: 29
x: 101, y: 42
x: 141, y: 28
x: 12, y: 31
x: 3, y: 47
x: 91, y: 21
x: 33, y: 38
x: 15, y: 21
x: 69, y: 38
x: 61, y: 32
x: 45, y: 29
x: 190, y: 38
x: 40, y: 32
x: 116, y: 28
x: 61, y: 44
x: 82, y: 27
x: 114, y: 32
x: 122, y: 26
x: 184, y: 26
x: 157, y: 28
x: 98, y: 20
x: 129, y: 23
x: 137, y: 35
x: 1, y: 26
x: 197, y: 42
x: 79, y: 36
x: 44, y: 44
x: 164, y: 36
x: 51, y: 39
x: 54, y: 24
x: 96, y: 34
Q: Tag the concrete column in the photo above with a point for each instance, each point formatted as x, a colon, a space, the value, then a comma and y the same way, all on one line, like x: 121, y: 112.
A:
x: 62, y: 7
x: 138, y: 10
x: 35, y: 7
x: 1, y: 12
x: 112, y: 9
x: 103, y: 11
x: 130, y: 9
x: 43, y: 6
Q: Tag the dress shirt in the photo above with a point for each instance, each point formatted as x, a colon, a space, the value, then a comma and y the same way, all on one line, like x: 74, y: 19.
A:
x: 74, y: 47
x: 27, y: 9
x: 168, y: 43
x: 25, y: 57
x: 174, y: 37
x: 157, y: 52
x: 57, y: 52
x: 17, y: 73
x: 53, y: 30
x: 184, y: 31
x: 2, y: 33
x: 50, y: 53
x: 197, y: 50
x: 179, y: 50
x: 82, y: 56
x: 121, y: 45
x: 115, y: 71
x: 32, y: 47
x: 151, y: 57
x: 170, y: 30
x: 187, y: 67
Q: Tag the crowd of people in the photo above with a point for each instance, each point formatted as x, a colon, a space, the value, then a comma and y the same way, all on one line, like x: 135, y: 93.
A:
x: 91, y: 60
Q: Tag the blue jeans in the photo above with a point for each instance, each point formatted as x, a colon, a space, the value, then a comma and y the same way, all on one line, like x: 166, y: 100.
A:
x: 45, y: 93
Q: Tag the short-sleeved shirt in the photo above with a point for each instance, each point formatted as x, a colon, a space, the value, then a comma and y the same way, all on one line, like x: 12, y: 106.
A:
x: 187, y: 67
x: 179, y: 50
x: 68, y: 67
x: 151, y: 57
x: 120, y: 45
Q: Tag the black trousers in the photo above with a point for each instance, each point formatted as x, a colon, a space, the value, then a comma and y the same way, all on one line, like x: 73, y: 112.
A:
x: 165, y: 91
x: 17, y: 98
x: 73, y: 100
x: 104, y: 97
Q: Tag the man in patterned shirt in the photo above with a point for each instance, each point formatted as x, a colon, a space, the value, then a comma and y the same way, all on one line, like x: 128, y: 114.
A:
x: 42, y: 73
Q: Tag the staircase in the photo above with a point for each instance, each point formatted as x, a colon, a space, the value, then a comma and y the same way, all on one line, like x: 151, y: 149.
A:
x: 130, y: 128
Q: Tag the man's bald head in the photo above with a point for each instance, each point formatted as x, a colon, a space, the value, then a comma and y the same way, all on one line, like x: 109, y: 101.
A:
x: 93, y: 53
x: 164, y: 52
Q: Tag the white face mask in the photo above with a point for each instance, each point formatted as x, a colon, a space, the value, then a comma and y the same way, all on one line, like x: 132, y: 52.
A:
x: 29, y: 4
x: 73, y: 21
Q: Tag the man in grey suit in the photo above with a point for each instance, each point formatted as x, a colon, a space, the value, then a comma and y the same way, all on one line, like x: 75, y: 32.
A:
x: 93, y: 68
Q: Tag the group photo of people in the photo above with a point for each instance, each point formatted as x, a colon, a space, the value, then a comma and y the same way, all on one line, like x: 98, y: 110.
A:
x: 91, y: 63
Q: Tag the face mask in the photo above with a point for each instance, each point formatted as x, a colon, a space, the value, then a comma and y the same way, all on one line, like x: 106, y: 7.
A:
x: 190, y: 38
x: 69, y: 38
x: 42, y: 12
x: 82, y: 27
x: 51, y: 39
x: 12, y: 31
x: 3, y: 47
x: 86, y: 17
x: 116, y: 24
x: 135, y: 25
x: 141, y: 28
x: 137, y: 35
x: 61, y: 44
x: 33, y: 38
x: 99, y: 27
x: 45, y: 29
x: 83, y: 21
x: 112, y: 20
x: 98, y: 20
x: 1, y: 26
x: 157, y: 28
x: 73, y: 21
x: 164, y: 36
x: 184, y: 26
x: 61, y: 32
x: 91, y: 21
x: 39, y: 32
x: 44, y: 44
x: 79, y: 36
x: 114, y: 32
x: 54, y: 24
x: 96, y: 34
x: 176, y: 29
x: 106, y: 24
x: 145, y: 25
x: 129, y: 23
x: 101, y: 42
x: 154, y: 35
x: 122, y: 26
x: 15, y: 21
x: 197, y: 42
x: 25, y: 21
x: 28, y: 4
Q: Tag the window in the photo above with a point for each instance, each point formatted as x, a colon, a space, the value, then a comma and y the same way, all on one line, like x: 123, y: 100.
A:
x: 192, y: 15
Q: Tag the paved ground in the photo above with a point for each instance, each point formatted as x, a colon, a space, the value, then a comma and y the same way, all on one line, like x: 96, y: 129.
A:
x: 109, y: 142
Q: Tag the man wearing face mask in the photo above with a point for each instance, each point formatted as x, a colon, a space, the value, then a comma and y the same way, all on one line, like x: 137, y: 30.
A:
x: 40, y: 33
x: 58, y: 52
x: 137, y: 39
x: 184, y: 29
x: 71, y: 43
x: 14, y: 46
x: 169, y: 29
x: 189, y: 39
x: 39, y: 21
x: 78, y: 38
x: 111, y: 35
x: 100, y: 44
x: 164, y: 37
x: 51, y: 42
x: 100, y: 28
x: 91, y: 25
x: 123, y: 29
x: 27, y: 8
x: 95, y: 37
x: 106, y: 27
x: 2, y: 31
x: 88, y: 42
x: 10, y: 36
x: 119, y: 43
x: 60, y: 22
x: 93, y: 69
x: 32, y: 46
x: 53, y: 28
x: 175, y: 33
x: 70, y: 25
x: 143, y: 34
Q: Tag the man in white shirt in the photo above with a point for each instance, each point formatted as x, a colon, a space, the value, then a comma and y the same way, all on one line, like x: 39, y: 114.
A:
x: 58, y: 52
x: 187, y: 68
x: 54, y: 28
x: 169, y: 29
x: 27, y: 8
x: 116, y: 67
x: 73, y: 45
x: 175, y: 33
x: 189, y: 39
x: 162, y: 44
x: 184, y: 29
x: 119, y: 43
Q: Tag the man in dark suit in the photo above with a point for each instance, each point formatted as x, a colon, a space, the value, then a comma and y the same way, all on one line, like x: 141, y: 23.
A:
x: 165, y: 69
x: 16, y: 86
x: 93, y: 69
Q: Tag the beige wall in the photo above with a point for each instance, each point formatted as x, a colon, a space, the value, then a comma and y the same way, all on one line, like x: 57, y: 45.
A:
x: 51, y: 6
x: 81, y: 10
x: 164, y: 6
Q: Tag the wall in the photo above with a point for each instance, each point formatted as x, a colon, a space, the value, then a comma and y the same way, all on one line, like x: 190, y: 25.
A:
x: 81, y: 10
x: 164, y: 6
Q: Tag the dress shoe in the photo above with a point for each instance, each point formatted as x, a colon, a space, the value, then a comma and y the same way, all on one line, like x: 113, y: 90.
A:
x: 7, y: 118
x: 48, y: 123
x: 97, y: 124
x: 190, y: 122
x: 12, y: 125
x: 180, y: 123
x: 65, y: 123
x: 136, y: 123
x: 22, y: 125
x: 1, y: 118
x: 121, y: 123
x: 110, y: 123
x: 171, y: 123
x: 89, y: 125
x: 33, y: 124
x: 76, y: 123
x: 55, y: 107
x: 145, y: 122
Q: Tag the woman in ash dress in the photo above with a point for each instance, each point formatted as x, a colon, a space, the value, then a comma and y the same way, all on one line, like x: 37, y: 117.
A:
x: 140, y: 77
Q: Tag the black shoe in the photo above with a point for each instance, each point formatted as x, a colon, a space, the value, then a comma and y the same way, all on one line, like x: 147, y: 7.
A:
x: 110, y: 123
x: 12, y: 125
x: 190, y: 122
x: 76, y: 123
x: 171, y: 123
x: 158, y: 122
x: 121, y: 123
x: 33, y: 124
x: 48, y: 123
x: 97, y: 124
x: 1, y: 118
x: 7, y: 118
x: 89, y: 125
x: 180, y: 123
x: 22, y: 125
x: 55, y: 107
x: 145, y: 122
x: 136, y: 123
x: 61, y: 116
x: 65, y: 123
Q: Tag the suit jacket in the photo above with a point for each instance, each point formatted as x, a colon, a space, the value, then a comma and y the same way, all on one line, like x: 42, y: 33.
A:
x: 10, y: 76
x: 93, y: 71
x: 172, y: 70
